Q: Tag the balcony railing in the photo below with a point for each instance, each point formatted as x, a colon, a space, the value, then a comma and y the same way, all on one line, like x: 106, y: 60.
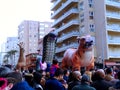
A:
x: 73, y: 22
x: 113, y: 27
x: 68, y: 35
x: 53, y: 0
x: 65, y: 47
x: 59, y: 59
x: 62, y: 7
x: 113, y: 15
x: 116, y: 41
x: 113, y: 3
x: 55, y: 4
x: 114, y: 55
x: 71, y: 11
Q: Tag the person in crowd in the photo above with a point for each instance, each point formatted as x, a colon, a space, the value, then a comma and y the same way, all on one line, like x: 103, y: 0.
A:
x: 85, y: 84
x: 44, y: 78
x: 43, y: 73
x: 12, y: 79
x: 7, y: 83
x: 75, y: 80
x: 11, y: 82
x: 28, y: 77
x: 23, y: 85
x: 38, y: 59
x: 43, y: 65
x: 66, y: 75
x: 53, y: 67
x: 37, y: 80
x: 110, y: 76
x: 64, y: 83
x: 89, y: 73
x: 3, y: 84
x: 115, y: 70
x: 99, y: 83
x: 117, y: 84
x: 15, y: 75
x: 54, y: 82
x: 4, y: 71
x: 48, y: 70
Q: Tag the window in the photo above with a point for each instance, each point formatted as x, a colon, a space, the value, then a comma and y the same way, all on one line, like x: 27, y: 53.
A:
x: 46, y: 25
x: 90, y: 3
x: 82, y: 17
x: 91, y: 14
x: 42, y: 28
x: 81, y: 6
x: 35, y: 35
x: 92, y: 28
x: 93, y: 38
x: 30, y: 35
x: 82, y: 29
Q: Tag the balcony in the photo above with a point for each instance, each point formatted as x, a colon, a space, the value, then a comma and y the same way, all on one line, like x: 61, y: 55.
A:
x: 65, y: 5
x: 71, y: 12
x: 115, y: 15
x: 67, y: 25
x: 53, y: 0
x: 55, y: 4
x: 113, y: 3
x: 114, y: 56
x: 116, y: 41
x: 113, y: 27
x: 65, y: 47
x: 59, y: 59
x: 68, y: 35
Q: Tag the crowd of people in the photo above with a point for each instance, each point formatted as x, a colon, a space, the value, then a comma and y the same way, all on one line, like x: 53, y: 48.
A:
x: 54, y: 78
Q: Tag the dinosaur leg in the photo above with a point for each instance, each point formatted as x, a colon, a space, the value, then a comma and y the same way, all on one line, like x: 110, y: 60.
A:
x: 63, y: 64
x: 76, y: 65
x: 91, y: 66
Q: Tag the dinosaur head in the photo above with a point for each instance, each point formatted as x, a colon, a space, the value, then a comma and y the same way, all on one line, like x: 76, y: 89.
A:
x: 85, y: 42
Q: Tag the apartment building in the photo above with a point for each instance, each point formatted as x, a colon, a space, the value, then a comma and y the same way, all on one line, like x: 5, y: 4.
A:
x: 30, y: 32
x: 99, y: 18
x: 13, y: 49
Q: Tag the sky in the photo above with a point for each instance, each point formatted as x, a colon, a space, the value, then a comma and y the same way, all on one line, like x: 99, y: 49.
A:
x: 13, y: 12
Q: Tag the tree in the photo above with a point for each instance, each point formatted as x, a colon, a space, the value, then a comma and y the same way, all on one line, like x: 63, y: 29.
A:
x: 5, y: 61
x: 10, y: 54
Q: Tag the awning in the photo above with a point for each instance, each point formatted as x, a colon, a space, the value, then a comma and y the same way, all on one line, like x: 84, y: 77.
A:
x: 112, y: 63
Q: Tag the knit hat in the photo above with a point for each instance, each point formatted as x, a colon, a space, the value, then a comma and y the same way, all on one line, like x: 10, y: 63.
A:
x: 3, y: 83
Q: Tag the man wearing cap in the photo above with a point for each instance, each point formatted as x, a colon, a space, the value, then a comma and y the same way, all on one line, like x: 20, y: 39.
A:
x: 85, y: 84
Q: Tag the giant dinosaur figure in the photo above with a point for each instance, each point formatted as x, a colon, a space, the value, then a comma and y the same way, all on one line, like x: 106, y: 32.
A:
x: 80, y: 57
x: 21, y: 61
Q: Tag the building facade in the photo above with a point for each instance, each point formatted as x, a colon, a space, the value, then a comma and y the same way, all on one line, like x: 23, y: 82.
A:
x: 12, y: 49
x: 2, y: 53
x: 29, y: 32
x: 99, y: 18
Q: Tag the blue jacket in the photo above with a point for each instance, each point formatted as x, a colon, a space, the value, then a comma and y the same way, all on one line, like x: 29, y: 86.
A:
x: 22, y: 86
x: 54, y: 84
x: 83, y: 86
